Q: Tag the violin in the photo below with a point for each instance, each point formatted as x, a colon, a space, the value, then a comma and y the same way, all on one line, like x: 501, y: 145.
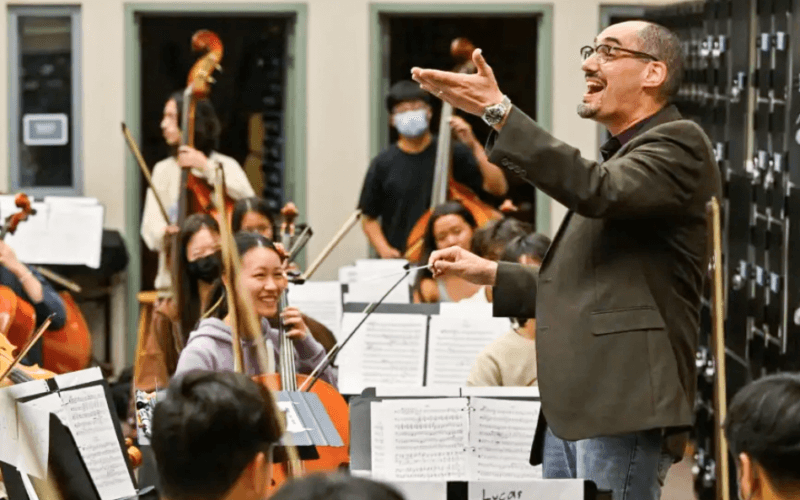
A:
x: 444, y: 186
x: 19, y: 373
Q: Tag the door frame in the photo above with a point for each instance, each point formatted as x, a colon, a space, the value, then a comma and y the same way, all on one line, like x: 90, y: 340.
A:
x: 296, y: 115
x: 544, y: 69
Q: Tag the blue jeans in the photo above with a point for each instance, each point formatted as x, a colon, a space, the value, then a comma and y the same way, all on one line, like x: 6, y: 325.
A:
x: 632, y: 466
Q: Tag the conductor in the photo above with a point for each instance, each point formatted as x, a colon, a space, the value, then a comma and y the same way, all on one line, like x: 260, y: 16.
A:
x: 617, y: 297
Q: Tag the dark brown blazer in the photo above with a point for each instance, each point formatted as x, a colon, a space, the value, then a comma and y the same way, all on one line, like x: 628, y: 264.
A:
x: 617, y: 297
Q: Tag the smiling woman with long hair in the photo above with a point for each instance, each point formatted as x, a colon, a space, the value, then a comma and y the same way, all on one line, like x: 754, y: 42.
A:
x: 210, y: 346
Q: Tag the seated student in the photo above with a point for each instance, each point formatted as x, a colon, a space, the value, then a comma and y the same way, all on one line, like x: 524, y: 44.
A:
x: 213, y: 437
x: 253, y: 214
x: 450, y: 224
x: 763, y: 431
x: 31, y: 287
x: 210, y: 345
x: 511, y: 359
x: 336, y: 487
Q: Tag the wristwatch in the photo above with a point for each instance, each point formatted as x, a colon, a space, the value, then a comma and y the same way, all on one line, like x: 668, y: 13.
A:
x: 494, y: 114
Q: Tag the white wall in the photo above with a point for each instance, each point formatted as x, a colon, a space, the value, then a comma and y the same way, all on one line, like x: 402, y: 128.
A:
x: 337, y: 99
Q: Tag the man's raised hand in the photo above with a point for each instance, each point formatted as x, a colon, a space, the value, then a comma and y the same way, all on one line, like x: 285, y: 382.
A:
x: 455, y: 261
x: 469, y: 92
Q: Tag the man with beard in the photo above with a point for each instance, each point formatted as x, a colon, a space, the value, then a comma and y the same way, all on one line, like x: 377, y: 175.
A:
x: 617, y: 297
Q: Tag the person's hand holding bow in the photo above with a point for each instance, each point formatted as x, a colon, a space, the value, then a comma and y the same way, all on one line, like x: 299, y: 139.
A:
x: 469, y: 92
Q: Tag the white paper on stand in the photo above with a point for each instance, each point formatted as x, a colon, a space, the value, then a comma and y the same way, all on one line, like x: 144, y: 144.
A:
x: 8, y: 416
x: 424, y: 439
x: 33, y: 430
x: 64, y: 233
x: 454, y: 345
x: 80, y: 377
x: 319, y: 300
x: 550, y: 489
x: 86, y: 411
x: 374, y: 277
x: 501, y: 433
x: 388, y: 349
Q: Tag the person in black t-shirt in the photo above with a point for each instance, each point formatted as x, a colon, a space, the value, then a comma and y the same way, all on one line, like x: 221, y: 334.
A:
x: 397, y: 188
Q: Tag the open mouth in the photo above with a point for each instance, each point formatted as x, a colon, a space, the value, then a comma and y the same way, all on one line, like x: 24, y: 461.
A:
x: 594, y: 87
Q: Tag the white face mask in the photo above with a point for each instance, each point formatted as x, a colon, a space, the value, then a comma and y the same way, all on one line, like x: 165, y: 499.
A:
x: 411, y: 123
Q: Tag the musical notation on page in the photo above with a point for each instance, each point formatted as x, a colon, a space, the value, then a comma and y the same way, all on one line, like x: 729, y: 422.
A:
x: 454, y: 345
x: 389, y: 349
x: 422, y: 439
x: 86, y: 411
x: 501, y: 433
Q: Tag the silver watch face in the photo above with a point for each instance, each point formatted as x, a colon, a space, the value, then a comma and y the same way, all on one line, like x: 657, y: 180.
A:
x: 496, y: 111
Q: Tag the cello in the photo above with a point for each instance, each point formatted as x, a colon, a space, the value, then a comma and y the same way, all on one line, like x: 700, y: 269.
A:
x: 17, y: 317
x: 64, y: 350
x: 244, y: 323
x: 446, y: 188
x: 198, y: 87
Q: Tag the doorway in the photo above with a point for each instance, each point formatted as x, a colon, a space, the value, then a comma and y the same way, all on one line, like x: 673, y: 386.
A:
x: 509, y: 40
x: 249, y: 95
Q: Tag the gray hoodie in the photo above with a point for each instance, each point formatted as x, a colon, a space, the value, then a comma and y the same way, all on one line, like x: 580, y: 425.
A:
x: 210, y: 347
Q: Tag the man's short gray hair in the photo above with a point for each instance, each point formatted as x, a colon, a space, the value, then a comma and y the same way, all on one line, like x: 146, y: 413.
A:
x: 665, y: 45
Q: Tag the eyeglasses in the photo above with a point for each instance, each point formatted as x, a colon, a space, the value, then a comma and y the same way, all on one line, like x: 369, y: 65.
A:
x: 608, y: 52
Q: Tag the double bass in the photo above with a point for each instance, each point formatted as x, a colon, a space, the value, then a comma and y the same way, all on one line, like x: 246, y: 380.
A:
x: 446, y: 188
x: 191, y: 188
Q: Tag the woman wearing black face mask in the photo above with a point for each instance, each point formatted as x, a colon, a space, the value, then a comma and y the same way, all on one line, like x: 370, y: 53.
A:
x: 200, y: 251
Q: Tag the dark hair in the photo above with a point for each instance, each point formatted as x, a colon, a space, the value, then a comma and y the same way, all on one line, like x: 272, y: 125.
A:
x: 207, y: 430
x: 405, y: 90
x: 206, y: 124
x: 447, y: 208
x: 533, y: 245
x: 764, y: 422
x: 665, y: 45
x: 336, y: 487
x: 191, y: 308
x: 494, y: 236
x: 247, y: 205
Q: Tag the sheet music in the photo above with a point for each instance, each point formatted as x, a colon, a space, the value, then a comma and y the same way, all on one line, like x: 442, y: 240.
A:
x: 467, y: 309
x: 33, y: 430
x: 80, y: 377
x: 424, y: 439
x: 378, y: 436
x: 501, y: 433
x: 374, y: 277
x: 61, y: 232
x: 8, y: 416
x: 388, y: 349
x: 77, y: 233
x: 454, y: 345
x: 27, y: 240
x: 89, y: 420
x: 320, y: 300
